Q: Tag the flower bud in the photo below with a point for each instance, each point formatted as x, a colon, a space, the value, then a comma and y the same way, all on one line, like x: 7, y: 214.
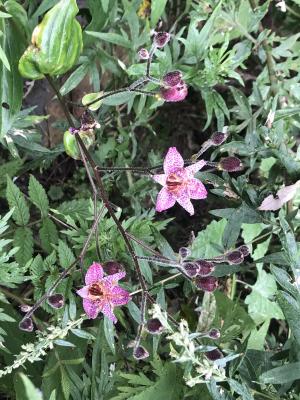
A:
x: 139, y: 353
x: 191, y: 269
x: 25, y: 308
x: 218, y: 138
x: 205, y: 267
x: 184, y: 252
x: 214, y: 355
x: 161, y: 39
x: 154, y: 326
x: 56, y: 300
x: 244, y: 250
x: 112, y: 267
x: 26, y: 325
x: 172, y: 78
x: 231, y: 164
x: 208, y: 283
x: 214, y: 334
x: 235, y: 257
x: 175, y: 93
x: 143, y: 54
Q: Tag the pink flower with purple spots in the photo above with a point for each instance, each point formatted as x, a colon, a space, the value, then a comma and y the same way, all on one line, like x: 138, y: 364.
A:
x: 174, y: 93
x: 102, y: 293
x: 179, y: 183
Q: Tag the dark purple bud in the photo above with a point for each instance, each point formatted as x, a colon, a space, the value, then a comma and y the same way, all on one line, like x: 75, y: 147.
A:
x: 244, y: 250
x: 112, y: 267
x: 231, y: 164
x: 184, y: 252
x: 214, y: 355
x: 25, y: 308
x: 26, y: 325
x: 56, y: 300
x: 205, y: 267
x: 207, y: 283
x: 214, y: 333
x: 235, y: 257
x: 139, y: 353
x: 154, y: 326
x: 218, y: 138
x: 191, y: 269
x: 172, y: 78
x: 143, y: 54
x: 161, y: 39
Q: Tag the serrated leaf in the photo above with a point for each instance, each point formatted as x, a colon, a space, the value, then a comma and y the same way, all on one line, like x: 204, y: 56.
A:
x: 23, y: 239
x: 291, y: 310
x: 65, y: 254
x: 17, y: 201
x: 208, y: 242
x: 38, y: 195
x: 48, y: 234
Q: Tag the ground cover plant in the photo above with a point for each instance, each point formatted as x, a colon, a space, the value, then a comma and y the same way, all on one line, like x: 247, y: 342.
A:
x: 149, y: 196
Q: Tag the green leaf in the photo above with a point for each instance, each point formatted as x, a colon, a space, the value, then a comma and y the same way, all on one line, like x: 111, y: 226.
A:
x: 277, y: 376
x: 23, y: 239
x: 25, y: 389
x: 38, y: 195
x: 88, y: 98
x: 208, y: 242
x: 119, y: 98
x: 66, y: 257
x: 74, y: 79
x: 157, y: 9
x: 111, y: 37
x: 109, y: 332
x: 48, y: 234
x: 17, y: 201
x: 291, y: 311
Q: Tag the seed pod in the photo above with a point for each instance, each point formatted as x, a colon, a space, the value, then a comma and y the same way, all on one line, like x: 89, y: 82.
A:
x: 56, y: 300
x: 172, y: 78
x: 214, y: 355
x: 184, y: 252
x: 26, y: 325
x: 112, y: 267
x: 205, y: 267
x: 191, y: 269
x: 231, y: 164
x: 154, y: 326
x: 214, y: 333
x: 235, y: 257
x: 218, y: 138
x: 207, y: 283
x: 139, y: 353
x: 244, y: 250
x: 161, y: 39
x: 143, y: 54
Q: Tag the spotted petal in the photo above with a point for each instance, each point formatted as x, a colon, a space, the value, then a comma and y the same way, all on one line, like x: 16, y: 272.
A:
x: 91, y: 308
x: 112, y: 280
x: 94, y: 274
x: 161, y: 179
x: 119, y: 296
x: 192, y: 169
x: 164, y: 200
x: 197, y: 189
x: 185, y: 202
x: 108, y: 312
x: 173, y: 161
x: 83, y: 292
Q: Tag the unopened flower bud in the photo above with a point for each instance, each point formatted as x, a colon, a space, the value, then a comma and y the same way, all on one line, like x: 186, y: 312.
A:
x: 235, y: 257
x: 244, y: 250
x: 56, y: 300
x: 172, y: 78
x: 175, y: 93
x: 139, y: 353
x: 231, y: 164
x: 218, y: 138
x: 214, y: 333
x: 143, y: 54
x: 214, y: 355
x: 161, y: 39
x: 207, y: 283
x: 112, y: 267
x: 191, y: 269
x: 26, y: 325
x: 25, y: 308
x: 205, y: 267
x: 184, y: 252
x: 154, y: 326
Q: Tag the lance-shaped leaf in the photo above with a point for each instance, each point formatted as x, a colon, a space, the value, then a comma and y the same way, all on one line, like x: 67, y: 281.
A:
x: 55, y: 44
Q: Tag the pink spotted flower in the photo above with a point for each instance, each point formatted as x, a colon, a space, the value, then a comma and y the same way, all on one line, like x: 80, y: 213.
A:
x: 179, y: 183
x: 102, y: 293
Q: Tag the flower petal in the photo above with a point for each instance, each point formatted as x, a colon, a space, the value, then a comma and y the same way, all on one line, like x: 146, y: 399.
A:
x: 164, y: 200
x: 192, y: 169
x: 83, y: 292
x: 91, y: 308
x: 161, y: 179
x: 108, y: 312
x: 119, y: 296
x: 185, y: 202
x: 173, y: 161
x: 94, y: 274
x: 197, y: 189
x: 112, y: 280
